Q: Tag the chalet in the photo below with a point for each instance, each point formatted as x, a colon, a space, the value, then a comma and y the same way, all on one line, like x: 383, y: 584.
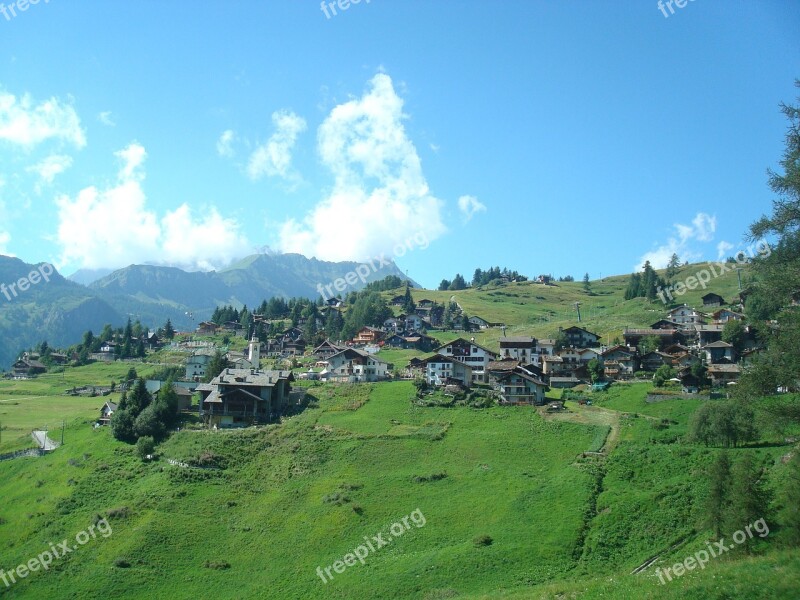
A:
x: 27, y: 367
x: 685, y: 317
x: 398, y: 301
x: 684, y: 360
x: 521, y: 387
x: 723, y: 374
x: 414, y: 340
x: 58, y: 358
x: 196, y: 366
x: 653, y: 360
x: 664, y: 324
x: 352, y: 365
x: 440, y: 369
x: 368, y: 335
x: 151, y: 340
x: 471, y: 354
x: 707, y: 334
x: 293, y: 333
x: 207, y: 328
x: 425, y: 303
x: 395, y: 340
x: 522, y: 348
x: 723, y: 315
x: 480, y: 323
x: 580, y: 337
x: 232, y: 326
x: 325, y: 350
x: 238, y: 398
x: 712, y: 299
x: 552, y: 366
x: 334, y: 302
x: 719, y: 352
x: 106, y: 412
x: 414, y: 323
x: 666, y: 337
x: 395, y: 324
x: 545, y: 347
x: 619, y: 362
x: 294, y: 347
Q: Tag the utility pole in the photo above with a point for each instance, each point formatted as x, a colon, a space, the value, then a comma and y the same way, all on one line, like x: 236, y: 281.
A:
x: 578, y: 308
x: 739, y: 275
x: 62, y: 432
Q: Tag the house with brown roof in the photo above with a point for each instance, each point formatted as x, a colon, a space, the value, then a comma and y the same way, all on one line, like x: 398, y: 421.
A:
x: 723, y: 374
x: 352, y: 366
x: 368, y: 335
x: 711, y: 299
x: 470, y: 353
x: 239, y: 398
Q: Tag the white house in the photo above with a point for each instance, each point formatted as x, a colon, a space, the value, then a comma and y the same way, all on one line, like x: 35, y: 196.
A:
x: 352, y: 365
x: 521, y: 348
x: 471, y: 354
x: 439, y: 369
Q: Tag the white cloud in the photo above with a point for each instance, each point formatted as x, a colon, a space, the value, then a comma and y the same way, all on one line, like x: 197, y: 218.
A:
x: 225, y: 143
x: 51, y: 166
x: 469, y: 205
x: 25, y: 123
x: 105, y: 118
x: 132, y: 157
x: 723, y: 248
x: 702, y: 229
x: 113, y: 227
x: 205, y: 244
x: 380, y: 196
x: 5, y: 237
x: 274, y: 158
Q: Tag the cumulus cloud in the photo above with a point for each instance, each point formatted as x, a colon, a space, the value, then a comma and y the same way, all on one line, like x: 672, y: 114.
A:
x: 701, y: 229
x: 50, y: 167
x: 28, y: 124
x: 379, y: 196
x: 113, y: 227
x: 225, y: 144
x: 469, y: 205
x: 274, y: 157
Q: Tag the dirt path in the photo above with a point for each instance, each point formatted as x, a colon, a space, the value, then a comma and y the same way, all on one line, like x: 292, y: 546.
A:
x: 44, y: 442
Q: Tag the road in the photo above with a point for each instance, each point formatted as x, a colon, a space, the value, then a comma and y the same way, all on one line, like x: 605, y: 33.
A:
x: 42, y: 441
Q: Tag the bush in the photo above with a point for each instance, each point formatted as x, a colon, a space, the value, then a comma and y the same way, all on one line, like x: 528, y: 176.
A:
x: 217, y: 564
x: 145, y: 446
x: 122, y: 563
x: 429, y: 478
x: 482, y: 540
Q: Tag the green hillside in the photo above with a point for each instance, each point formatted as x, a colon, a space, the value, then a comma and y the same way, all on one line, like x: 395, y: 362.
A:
x: 504, y: 502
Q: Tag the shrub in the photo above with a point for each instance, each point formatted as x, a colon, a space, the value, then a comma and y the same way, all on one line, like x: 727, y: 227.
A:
x: 219, y: 565
x: 122, y: 512
x: 482, y: 540
x: 122, y: 563
x: 145, y: 446
x: 429, y: 478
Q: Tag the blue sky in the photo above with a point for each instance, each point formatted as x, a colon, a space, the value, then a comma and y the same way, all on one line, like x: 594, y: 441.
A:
x: 547, y: 137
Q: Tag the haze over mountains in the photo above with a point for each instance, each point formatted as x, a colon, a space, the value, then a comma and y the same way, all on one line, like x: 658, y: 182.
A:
x: 60, y: 310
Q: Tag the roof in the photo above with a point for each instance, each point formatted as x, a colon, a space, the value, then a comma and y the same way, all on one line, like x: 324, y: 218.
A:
x: 618, y: 348
x: 656, y: 332
x: 503, y: 365
x: 719, y: 344
x: 524, y: 376
x: 564, y: 380
x: 712, y: 327
x: 517, y: 342
x: 576, y: 328
x: 724, y: 368
x: 438, y: 358
x: 249, y: 377
x: 492, y: 352
x: 351, y: 353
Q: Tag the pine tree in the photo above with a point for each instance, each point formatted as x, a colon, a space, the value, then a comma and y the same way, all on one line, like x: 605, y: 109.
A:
x: 749, y: 499
x: 719, y: 477
x: 790, y: 497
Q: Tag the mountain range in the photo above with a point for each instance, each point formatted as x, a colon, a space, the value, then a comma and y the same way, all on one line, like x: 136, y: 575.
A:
x: 60, y: 310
